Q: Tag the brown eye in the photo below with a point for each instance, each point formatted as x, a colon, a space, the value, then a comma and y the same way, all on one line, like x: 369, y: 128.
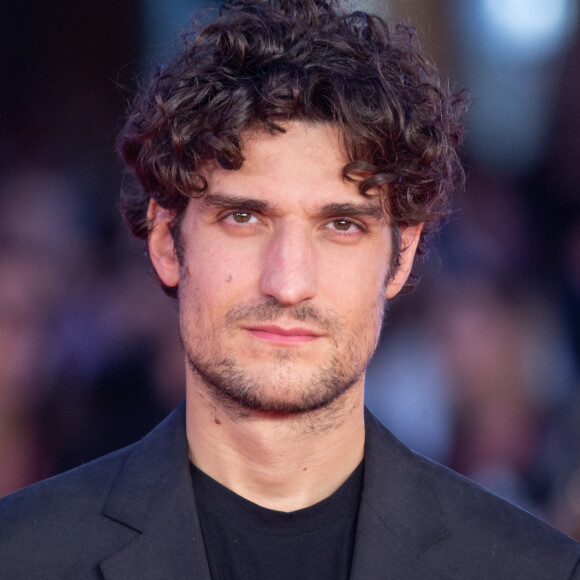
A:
x: 241, y: 217
x: 342, y: 225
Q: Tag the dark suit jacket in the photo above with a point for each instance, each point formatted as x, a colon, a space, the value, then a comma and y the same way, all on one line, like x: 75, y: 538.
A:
x: 132, y: 515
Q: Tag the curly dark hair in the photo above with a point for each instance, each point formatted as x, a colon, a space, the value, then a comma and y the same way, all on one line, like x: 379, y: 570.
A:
x: 263, y: 63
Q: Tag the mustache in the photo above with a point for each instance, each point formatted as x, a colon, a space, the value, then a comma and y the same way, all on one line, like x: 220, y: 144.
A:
x: 270, y: 310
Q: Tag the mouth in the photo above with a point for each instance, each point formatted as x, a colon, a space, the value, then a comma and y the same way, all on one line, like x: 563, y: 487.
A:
x: 283, y: 336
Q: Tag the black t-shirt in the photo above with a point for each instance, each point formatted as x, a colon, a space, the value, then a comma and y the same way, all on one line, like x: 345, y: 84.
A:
x: 244, y: 541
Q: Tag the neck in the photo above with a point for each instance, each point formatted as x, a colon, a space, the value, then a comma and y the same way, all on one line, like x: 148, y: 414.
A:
x: 281, y: 462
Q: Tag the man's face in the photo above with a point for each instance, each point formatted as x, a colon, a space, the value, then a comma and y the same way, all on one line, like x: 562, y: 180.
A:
x: 282, y: 285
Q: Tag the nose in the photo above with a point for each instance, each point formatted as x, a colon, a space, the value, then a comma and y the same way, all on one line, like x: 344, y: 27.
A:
x: 289, y: 272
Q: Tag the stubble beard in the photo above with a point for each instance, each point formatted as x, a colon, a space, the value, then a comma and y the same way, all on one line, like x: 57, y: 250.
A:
x: 282, y: 391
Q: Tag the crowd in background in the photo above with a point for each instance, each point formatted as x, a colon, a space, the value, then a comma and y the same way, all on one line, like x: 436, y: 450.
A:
x: 479, y: 368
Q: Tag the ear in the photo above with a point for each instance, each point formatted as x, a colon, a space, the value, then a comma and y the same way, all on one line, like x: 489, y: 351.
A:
x: 161, y: 246
x: 409, y: 240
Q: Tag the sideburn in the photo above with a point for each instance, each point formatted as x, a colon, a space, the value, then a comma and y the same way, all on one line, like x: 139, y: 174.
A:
x: 395, y: 262
x: 175, y: 232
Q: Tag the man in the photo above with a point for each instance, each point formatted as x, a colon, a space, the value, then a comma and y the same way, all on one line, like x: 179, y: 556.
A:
x: 291, y: 161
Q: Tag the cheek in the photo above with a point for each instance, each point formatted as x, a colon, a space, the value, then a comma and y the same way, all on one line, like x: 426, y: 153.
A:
x: 216, y: 279
x: 355, y: 282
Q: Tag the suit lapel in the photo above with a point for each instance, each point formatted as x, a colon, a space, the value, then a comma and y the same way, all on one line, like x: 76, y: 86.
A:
x: 399, y: 518
x: 153, y: 495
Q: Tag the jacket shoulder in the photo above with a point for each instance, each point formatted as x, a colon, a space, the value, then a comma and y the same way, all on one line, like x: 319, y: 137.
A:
x: 57, y: 524
x: 64, y: 494
x: 450, y: 519
x: 67, y: 526
x: 489, y: 528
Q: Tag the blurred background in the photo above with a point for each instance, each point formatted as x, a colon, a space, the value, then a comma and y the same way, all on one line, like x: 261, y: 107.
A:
x: 479, y: 368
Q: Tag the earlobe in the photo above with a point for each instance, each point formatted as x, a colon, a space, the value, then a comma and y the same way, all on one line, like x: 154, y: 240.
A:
x: 161, y: 245
x: 409, y: 240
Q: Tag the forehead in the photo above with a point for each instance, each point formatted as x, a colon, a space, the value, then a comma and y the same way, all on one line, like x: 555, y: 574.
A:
x: 300, y: 141
x: 304, y: 163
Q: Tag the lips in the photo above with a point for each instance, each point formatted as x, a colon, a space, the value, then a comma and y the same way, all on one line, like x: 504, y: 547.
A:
x: 277, y: 334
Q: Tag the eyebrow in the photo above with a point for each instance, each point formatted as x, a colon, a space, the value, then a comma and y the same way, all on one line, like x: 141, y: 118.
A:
x: 223, y: 201
x: 366, y: 209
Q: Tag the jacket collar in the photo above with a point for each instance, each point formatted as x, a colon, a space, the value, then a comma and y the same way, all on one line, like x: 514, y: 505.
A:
x: 153, y: 495
x: 400, y: 517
